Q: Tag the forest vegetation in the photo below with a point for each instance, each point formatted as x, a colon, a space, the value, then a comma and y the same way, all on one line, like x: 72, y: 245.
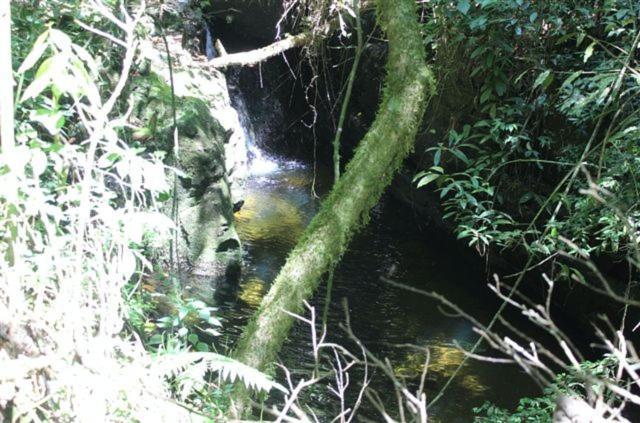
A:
x: 140, y: 144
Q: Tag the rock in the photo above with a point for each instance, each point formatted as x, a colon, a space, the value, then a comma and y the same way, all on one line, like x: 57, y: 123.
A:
x: 210, y: 142
x: 245, y: 20
x: 237, y: 206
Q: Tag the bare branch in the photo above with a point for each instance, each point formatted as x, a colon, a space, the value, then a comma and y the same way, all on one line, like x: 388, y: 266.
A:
x: 253, y: 57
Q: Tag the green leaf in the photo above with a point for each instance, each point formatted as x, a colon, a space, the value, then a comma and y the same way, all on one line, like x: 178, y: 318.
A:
x: 60, y: 40
x: 214, y: 321
x: 478, y: 23
x: 51, y: 120
x: 460, y: 155
x: 486, y: 95
x: 42, y: 80
x: 155, y: 340
x: 204, y: 314
x: 198, y: 304
x: 36, y: 52
x: 202, y: 347
x: 463, y: 6
x: 182, y: 313
x: 588, y: 52
x: 164, y: 322
x: 427, y: 179
x: 519, y: 77
x: 231, y: 370
x: 478, y: 51
x: 38, y: 162
x: 544, y: 79
x: 212, y: 332
x: 570, y: 79
x: 525, y: 198
x: 419, y: 176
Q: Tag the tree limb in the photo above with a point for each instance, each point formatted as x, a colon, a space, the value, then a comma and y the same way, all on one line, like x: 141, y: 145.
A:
x: 253, y: 57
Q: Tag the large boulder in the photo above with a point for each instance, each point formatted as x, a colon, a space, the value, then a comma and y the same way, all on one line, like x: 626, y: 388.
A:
x: 210, y: 145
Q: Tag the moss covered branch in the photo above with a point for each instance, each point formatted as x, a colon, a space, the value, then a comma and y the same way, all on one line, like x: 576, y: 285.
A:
x: 409, y: 84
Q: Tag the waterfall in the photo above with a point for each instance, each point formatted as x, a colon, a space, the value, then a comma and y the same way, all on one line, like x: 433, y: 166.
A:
x: 258, y: 162
x: 209, y: 49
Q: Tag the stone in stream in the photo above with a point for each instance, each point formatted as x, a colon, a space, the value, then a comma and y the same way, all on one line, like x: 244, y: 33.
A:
x: 237, y: 206
x: 211, y: 140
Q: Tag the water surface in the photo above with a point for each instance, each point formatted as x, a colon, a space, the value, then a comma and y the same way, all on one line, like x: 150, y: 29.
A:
x: 278, y: 206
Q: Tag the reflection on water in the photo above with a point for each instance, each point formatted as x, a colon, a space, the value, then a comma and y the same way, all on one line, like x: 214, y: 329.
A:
x: 265, y: 219
x: 441, y: 362
x: 277, y: 208
x: 251, y: 291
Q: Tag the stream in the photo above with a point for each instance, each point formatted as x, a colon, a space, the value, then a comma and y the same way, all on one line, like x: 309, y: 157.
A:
x: 279, y: 204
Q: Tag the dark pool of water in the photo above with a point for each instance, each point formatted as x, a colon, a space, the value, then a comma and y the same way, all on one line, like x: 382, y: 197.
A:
x: 277, y: 208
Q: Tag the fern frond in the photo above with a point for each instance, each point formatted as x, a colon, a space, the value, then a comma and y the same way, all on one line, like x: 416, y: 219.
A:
x: 195, y: 364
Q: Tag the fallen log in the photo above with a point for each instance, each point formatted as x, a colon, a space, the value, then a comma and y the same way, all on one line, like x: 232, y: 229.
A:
x: 253, y: 57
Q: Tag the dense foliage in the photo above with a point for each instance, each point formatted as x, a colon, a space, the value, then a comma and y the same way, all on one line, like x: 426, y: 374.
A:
x: 541, y: 409
x: 547, y: 102
x: 539, y: 150
x: 80, y: 206
x: 532, y: 145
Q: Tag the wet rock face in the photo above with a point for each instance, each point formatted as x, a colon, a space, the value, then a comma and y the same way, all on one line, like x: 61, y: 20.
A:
x: 262, y: 101
x: 244, y: 23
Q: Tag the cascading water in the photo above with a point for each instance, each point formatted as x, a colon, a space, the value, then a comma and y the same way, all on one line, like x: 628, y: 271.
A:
x: 208, y: 45
x: 258, y: 162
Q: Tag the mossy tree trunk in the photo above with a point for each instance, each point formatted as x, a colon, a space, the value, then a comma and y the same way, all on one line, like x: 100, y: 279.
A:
x: 409, y: 84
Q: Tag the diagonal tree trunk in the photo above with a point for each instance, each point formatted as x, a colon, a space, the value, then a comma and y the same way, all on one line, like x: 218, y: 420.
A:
x: 409, y: 84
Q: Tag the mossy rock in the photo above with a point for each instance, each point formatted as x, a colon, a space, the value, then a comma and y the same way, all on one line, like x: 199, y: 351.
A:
x: 209, y: 244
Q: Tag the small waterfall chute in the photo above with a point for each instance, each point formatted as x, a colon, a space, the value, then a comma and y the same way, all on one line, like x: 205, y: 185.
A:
x: 258, y: 162
x: 209, y: 48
